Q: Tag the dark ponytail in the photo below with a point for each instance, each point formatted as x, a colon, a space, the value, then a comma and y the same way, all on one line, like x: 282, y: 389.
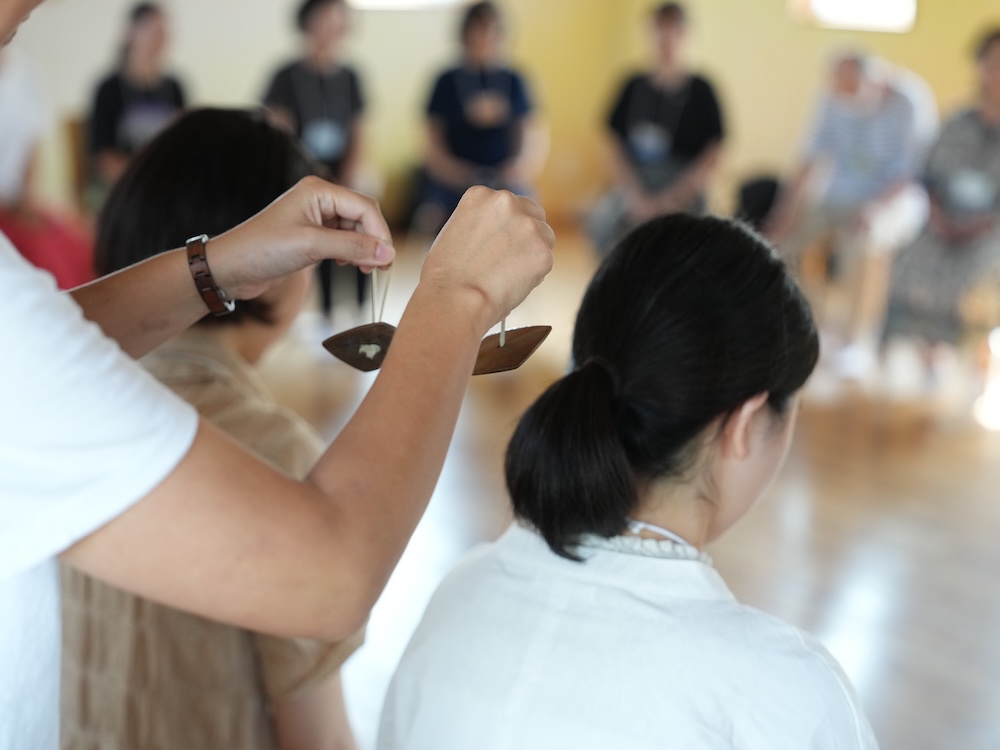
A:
x: 582, y: 456
x: 684, y: 322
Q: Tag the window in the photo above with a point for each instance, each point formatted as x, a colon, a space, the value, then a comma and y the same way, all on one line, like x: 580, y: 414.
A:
x: 861, y: 15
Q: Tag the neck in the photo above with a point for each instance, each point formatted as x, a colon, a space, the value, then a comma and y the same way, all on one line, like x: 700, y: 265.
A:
x: 669, y: 72
x: 142, y: 71
x: 475, y: 63
x: 323, y: 61
x: 682, y: 509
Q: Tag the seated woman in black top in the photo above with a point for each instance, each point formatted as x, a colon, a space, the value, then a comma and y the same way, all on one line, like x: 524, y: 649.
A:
x: 320, y: 100
x: 479, y: 123
x: 318, y: 97
x: 134, y: 103
x: 666, y: 129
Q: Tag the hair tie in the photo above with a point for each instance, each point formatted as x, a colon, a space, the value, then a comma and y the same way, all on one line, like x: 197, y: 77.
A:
x: 610, y: 369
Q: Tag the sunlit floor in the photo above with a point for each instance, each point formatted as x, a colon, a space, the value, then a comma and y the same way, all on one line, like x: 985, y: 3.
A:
x: 882, y: 536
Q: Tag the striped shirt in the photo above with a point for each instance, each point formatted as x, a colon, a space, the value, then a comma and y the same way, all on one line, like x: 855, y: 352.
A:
x: 867, y: 149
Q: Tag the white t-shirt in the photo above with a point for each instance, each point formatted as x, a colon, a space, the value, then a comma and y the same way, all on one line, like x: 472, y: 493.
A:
x: 84, y: 433
x: 523, y: 650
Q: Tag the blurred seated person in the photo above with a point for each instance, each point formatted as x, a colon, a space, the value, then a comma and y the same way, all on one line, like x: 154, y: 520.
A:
x: 960, y: 246
x: 666, y: 130
x: 855, y: 190
x: 55, y: 241
x: 140, y: 674
x: 137, y: 101
x: 481, y: 128
x: 320, y: 100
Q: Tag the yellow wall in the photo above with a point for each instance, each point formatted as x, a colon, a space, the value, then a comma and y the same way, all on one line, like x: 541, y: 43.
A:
x: 765, y: 65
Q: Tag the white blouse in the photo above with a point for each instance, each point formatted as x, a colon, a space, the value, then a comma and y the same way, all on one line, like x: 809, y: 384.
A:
x: 641, y: 646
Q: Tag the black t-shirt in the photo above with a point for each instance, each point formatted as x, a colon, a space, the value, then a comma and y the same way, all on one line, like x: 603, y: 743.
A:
x: 125, y: 117
x: 656, y: 126
x: 324, y: 106
x: 480, y: 111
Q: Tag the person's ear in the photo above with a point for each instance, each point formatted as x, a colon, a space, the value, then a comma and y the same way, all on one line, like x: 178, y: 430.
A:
x: 737, y: 431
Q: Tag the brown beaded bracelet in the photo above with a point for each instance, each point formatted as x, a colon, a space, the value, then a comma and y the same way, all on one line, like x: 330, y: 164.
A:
x: 215, y: 299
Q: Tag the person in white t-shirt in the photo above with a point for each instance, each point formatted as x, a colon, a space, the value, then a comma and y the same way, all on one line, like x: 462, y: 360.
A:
x: 597, y: 621
x: 104, y: 467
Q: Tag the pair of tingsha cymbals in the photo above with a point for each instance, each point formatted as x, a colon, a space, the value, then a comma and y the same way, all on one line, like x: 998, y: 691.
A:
x: 364, y: 348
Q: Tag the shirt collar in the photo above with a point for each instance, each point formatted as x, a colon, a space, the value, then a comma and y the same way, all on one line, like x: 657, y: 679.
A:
x: 653, y: 578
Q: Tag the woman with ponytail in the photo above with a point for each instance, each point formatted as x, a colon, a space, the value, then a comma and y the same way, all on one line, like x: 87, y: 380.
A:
x: 597, y: 620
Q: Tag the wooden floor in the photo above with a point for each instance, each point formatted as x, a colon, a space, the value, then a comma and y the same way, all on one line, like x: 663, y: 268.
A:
x: 882, y: 536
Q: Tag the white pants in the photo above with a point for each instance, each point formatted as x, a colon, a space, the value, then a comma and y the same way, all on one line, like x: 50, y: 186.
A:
x: 862, y: 240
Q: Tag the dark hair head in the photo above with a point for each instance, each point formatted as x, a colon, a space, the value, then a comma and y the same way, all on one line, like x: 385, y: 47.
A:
x: 672, y: 13
x: 141, y: 11
x: 308, y: 7
x: 208, y: 172
x: 859, y: 59
x: 686, y: 320
x: 478, y: 14
x: 986, y: 42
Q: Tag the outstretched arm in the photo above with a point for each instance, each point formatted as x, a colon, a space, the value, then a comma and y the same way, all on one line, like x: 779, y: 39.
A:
x: 229, y: 537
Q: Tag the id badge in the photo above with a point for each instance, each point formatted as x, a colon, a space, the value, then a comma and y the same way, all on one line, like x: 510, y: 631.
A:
x: 650, y: 143
x: 325, y: 139
x: 972, y: 191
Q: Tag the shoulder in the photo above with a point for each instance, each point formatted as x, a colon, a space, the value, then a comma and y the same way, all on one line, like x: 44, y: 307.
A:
x: 109, y: 85
x: 799, y: 666
x: 701, y: 86
x: 478, y: 576
x: 513, y: 74
x: 447, y: 76
x: 963, y: 127
x: 964, y: 118
x: 631, y: 86
x: 899, y: 100
x: 636, y: 80
x: 288, y: 69
x: 281, y: 82
x: 235, y: 405
x: 283, y: 76
x: 444, y: 92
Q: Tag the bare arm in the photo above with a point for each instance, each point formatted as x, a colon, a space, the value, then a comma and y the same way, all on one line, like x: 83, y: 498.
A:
x: 352, y: 158
x: 693, y: 182
x: 530, y: 152
x: 144, y: 305
x: 637, y: 200
x: 316, y: 719
x: 111, y: 165
x: 789, y: 203
x: 230, y: 538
